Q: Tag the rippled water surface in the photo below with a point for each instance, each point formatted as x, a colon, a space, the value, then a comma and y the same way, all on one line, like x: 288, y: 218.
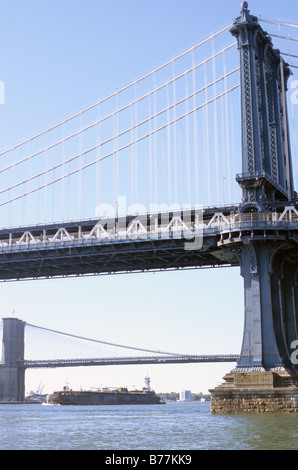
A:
x: 172, y: 426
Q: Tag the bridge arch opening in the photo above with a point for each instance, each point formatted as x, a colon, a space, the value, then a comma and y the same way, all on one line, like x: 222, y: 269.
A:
x: 250, y: 208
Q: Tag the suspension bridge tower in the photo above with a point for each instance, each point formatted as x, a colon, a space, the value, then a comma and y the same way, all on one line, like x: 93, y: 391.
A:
x: 265, y: 379
x: 12, y: 375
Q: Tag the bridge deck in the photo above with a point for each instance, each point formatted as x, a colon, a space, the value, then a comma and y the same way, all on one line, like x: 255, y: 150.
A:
x: 141, y: 243
x: 179, y: 359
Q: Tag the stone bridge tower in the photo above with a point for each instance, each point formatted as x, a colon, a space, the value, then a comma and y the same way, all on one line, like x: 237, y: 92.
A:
x: 12, y: 377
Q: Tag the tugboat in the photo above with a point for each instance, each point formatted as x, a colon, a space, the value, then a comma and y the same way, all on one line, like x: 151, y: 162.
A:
x: 105, y: 396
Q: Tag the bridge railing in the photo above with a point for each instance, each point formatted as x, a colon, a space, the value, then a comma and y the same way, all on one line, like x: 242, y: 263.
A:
x: 256, y: 219
x: 183, y: 225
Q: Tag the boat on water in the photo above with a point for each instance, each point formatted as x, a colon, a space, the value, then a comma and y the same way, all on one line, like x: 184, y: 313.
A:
x: 105, y: 396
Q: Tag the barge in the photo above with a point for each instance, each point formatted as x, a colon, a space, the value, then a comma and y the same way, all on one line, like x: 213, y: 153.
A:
x: 105, y: 396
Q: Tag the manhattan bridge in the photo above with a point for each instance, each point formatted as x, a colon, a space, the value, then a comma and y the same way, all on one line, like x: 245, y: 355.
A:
x: 189, y: 166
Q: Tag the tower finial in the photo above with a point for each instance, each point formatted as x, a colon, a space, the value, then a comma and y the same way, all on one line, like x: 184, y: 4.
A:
x: 244, y: 12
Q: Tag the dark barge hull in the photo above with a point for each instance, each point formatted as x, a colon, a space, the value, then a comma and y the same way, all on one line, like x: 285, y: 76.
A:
x: 103, y: 398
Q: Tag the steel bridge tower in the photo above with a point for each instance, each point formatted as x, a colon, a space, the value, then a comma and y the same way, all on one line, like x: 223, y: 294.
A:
x: 268, y: 261
x: 267, y: 185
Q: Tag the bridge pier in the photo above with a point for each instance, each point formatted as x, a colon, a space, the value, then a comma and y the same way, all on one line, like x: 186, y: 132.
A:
x: 12, y: 377
x: 256, y: 392
x: 266, y: 377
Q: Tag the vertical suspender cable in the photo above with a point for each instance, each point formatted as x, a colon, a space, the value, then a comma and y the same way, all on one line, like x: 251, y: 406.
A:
x: 227, y: 132
x: 155, y: 142
x: 187, y: 143
x: 11, y: 205
x: 207, y: 143
x: 80, y: 202
x: 232, y: 148
x: 98, y: 153
x: 222, y: 161
x: 136, y: 150
x: 215, y: 131
x: 28, y: 205
x: 195, y: 132
x: 132, y: 149
x: 114, y: 166
x: 115, y: 155
x: 150, y: 150
x: 46, y: 179
x: 63, y: 171
x: 175, y: 135
x: 168, y: 145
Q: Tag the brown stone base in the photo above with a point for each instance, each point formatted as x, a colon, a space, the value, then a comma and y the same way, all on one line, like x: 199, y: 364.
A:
x: 256, y: 392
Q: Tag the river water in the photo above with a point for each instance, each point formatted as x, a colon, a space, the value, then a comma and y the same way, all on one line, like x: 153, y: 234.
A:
x: 173, y: 426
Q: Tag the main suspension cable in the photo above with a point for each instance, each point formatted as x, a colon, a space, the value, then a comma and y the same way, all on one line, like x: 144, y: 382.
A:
x: 102, y: 342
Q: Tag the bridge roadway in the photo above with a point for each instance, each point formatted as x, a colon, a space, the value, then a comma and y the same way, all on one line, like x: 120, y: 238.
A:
x: 140, y: 243
x: 179, y: 359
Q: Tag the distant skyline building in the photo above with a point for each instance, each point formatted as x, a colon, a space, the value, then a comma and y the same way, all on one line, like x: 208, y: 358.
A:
x: 185, y: 395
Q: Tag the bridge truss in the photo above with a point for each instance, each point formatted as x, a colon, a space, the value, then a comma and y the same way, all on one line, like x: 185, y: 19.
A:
x: 185, y: 239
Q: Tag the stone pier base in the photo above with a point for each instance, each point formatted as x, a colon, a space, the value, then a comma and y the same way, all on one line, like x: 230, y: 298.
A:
x: 256, y: 392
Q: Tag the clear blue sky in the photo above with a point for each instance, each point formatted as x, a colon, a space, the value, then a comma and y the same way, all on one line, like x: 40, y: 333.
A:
x: 58, y: 57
